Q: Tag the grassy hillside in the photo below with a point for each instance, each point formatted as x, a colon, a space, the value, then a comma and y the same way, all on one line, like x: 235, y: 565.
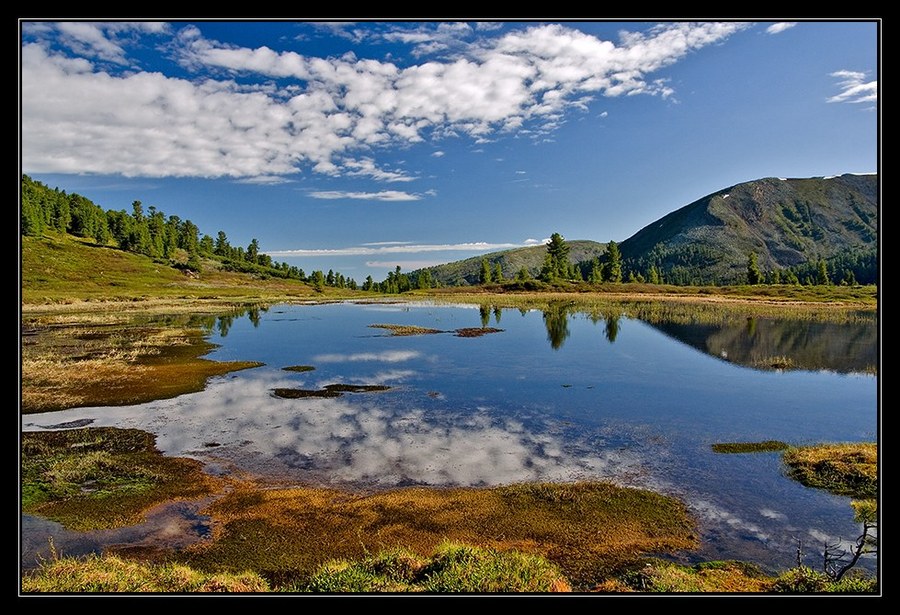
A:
x: 785, y: 222
x: 61, y: 268
x: 467, y: 271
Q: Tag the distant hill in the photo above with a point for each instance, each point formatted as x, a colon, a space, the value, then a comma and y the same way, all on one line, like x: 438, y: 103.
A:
x: 468, y: 271
x: 785, y: 222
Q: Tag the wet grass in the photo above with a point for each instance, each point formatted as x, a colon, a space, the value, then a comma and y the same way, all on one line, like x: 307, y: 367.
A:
x: 766, y: 446
x: 125, y: 361
x: 98, y: 478
x: 587, y: 529
x: 845, y: 469
x: 476, y: 331
x: 299, y: 368
x: 406, y: 330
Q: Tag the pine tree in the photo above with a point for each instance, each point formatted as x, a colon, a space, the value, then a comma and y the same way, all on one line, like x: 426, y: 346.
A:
x: 614, y: 262
x: 754, y: 275
x: 485, y: 276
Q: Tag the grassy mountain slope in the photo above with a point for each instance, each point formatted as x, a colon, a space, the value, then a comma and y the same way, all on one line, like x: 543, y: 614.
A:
x: 785, y: 222
x: 467, y: 271
x: 59, y: 268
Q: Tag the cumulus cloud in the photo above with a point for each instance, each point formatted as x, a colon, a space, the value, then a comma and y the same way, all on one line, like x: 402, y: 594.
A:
x: 399, y: 248
x: 366, y: 167
x: 103, y: 40
x: 779, y: 27
x: 261, y: 112
x: 854, y: 87
x: 384, y: 195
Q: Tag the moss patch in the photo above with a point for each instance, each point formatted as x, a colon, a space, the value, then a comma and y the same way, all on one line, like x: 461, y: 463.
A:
x: 102, y: 477
x: 845, y: 469
x: 587, y: 529
x: 766, y: 446
x: 298, y: 368
x: 406, y: 330
x: 476, y: 331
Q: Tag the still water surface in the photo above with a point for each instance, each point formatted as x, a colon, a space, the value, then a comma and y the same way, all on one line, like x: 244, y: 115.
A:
x: 556, y: 395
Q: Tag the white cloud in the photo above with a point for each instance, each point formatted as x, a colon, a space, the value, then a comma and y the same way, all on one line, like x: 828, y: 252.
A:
x: 384, y: 195
x: 77, y: 118
x: 103, y: 40
x: 374, y: 250
x: 854, y: 87
x: 263, y: 180
x: 779, y: 27
x: 366, y: 167
x: 438, y: 154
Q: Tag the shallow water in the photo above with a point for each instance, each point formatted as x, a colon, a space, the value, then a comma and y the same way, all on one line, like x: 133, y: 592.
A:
x: 554, y: 396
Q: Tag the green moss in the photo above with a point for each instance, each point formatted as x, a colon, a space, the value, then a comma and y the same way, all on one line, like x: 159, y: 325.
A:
x: 98, y: 478
x: 750, y: 447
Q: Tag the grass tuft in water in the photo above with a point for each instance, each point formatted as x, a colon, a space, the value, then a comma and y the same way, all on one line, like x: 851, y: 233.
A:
x: 765, y: 446
x: 845, y: 469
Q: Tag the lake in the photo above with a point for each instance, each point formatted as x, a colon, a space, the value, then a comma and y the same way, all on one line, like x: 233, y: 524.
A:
x: 550, y: 394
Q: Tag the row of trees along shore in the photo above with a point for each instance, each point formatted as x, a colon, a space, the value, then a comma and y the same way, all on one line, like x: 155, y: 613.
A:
x: 152, y: 233
x: 181, y: 244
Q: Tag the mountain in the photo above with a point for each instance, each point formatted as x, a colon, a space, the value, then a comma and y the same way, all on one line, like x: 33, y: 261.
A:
x: 785, y: 222
x: 468, y: 271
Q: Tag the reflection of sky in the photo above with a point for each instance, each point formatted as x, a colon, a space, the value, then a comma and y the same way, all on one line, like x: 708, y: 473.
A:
x: 357, y: 438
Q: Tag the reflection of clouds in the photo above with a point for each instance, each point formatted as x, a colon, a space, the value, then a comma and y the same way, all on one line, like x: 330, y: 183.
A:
x: 768, y: 513
x: 712, y: 512
x: 388, y: 356
x: 362, y: 438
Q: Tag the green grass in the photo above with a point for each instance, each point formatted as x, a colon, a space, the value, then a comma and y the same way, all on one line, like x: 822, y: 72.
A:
x: 62, y: 269
x: 112, y: 574
x: 453, y: 568
x: 749, y: 447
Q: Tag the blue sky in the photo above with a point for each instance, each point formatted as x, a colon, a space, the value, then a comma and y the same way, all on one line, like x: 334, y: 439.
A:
x: 359, y: 146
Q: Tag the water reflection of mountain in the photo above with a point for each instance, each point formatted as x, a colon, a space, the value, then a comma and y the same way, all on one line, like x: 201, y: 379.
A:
x: 784, y: 344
